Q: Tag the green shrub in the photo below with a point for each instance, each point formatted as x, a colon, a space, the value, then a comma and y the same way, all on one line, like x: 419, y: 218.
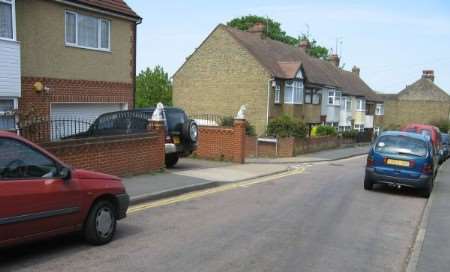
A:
x: 285, y: 126
x: 228, y: 121
x: 350, y: 134
x: 325, y: 131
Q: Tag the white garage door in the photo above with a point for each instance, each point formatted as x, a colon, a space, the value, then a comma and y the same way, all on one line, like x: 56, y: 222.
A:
x: 68, y: 119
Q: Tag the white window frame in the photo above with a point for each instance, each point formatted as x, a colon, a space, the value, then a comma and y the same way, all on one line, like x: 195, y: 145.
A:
x: 99, y: 34
x: 12, y: 113
x: 13, y: 18
x: 360, y: 102
x: 336, y: 96
x: 359, y: 127
x: 379, y: 109
x: 277, y: 98
x: 297, y: 86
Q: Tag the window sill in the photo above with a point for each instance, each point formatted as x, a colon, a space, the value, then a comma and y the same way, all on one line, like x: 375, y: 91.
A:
x: 292, y: 103
x: 89, y: 48
x: 8, y: 40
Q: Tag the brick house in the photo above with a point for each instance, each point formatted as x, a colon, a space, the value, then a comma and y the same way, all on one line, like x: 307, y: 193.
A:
x: 421, y: 102
x: 66, y: 58
x: 232, y: 67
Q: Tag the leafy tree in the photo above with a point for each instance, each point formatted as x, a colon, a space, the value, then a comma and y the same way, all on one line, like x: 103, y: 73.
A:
x: 153, y: 86
x: 275, y: 32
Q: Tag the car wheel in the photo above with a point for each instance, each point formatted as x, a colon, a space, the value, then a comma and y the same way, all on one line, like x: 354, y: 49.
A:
x: 171, y: 160
x: 426, y: 192
x: 190, y: 131
x: 368, y: 183
x: 100, y: 225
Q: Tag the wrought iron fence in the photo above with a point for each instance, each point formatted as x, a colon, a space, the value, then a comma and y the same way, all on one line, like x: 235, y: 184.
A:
x: 207, y: 119
x: 45, y: 130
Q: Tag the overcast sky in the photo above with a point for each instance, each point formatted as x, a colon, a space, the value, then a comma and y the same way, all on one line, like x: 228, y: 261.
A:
x: 391, y: 41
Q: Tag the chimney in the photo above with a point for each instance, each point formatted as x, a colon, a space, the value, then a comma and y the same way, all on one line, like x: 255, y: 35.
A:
x: 428, y: 74
x: 356, y: 70
x: 258, y: 28
x: 334, y: 59
x: 304, y: 44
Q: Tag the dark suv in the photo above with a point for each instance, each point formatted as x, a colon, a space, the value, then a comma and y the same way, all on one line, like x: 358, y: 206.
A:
x: 181, y: 132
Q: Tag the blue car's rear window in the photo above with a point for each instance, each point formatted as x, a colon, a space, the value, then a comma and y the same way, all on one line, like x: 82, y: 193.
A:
x: 402, y: 145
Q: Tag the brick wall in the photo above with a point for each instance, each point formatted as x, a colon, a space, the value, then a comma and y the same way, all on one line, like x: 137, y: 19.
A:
x: 290, y: 147
x: 67, y: 91
x: 222, y: 143
x: 116, y: 155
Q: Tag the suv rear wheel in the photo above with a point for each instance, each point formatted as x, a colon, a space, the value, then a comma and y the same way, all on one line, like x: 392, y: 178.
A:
x: 171, y: 160
x: 368, y: 183
x: 190, y: 131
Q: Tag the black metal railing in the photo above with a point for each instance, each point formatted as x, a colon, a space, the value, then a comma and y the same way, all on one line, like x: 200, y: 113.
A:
x: 207, y: 119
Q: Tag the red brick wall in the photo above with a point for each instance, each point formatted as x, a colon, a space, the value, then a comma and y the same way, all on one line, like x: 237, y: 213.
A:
x: 67, y: 91
x: 116, y: 155
x: 221, y: 143
x: 250, y: 146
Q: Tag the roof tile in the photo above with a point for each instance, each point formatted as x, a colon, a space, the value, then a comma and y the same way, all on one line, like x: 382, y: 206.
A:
x: 117, y: 6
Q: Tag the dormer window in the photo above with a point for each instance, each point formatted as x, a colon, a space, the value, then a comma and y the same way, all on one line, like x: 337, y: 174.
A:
x: 7, y: 19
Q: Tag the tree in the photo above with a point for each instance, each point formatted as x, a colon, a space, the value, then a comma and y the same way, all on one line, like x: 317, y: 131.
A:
x: 275, y: 32
x: 153, y: 86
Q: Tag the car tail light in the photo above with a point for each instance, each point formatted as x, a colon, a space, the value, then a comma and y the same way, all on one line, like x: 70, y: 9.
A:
x: 370, y: 160
x: 169, y: 140
x: 428, y: 169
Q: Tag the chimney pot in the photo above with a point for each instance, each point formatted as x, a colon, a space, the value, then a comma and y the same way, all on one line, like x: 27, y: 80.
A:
x: 334, y: 59
x: 356, y: 70
x: 304, y: 44
x: 428, y: 74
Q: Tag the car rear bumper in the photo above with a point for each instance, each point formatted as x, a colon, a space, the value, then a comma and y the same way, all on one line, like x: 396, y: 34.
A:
x: 123, y: 201
x: 181, y: 149
x: 422, y: 182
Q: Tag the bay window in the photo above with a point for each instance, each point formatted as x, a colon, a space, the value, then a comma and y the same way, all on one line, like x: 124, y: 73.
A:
x: 293, y: 92
x: 379, y: 110
x: 360, y: 105
x: 334, y: 97
x: 87, y: 31
x: 277, y: 93
x: 7, y: 19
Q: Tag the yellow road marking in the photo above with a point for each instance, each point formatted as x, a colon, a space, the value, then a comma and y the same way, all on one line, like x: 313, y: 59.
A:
x: 198, y: 194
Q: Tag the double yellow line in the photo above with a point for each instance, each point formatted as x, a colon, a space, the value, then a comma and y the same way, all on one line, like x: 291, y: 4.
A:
x: 202, y: 193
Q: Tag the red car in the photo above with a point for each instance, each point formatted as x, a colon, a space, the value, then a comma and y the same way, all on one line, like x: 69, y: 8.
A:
x: 429, y: 130
x: 40, y: 196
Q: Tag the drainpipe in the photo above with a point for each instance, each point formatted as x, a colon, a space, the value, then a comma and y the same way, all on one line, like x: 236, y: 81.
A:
x: 269, y: 88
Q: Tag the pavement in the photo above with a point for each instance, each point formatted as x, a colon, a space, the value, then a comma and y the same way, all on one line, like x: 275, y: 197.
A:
x: 326, y: 155
x: 317, y: 218
x: 192, y: 174
x: 435, y: 250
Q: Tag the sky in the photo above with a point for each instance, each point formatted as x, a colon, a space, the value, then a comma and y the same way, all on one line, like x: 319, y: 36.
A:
x: 392, y: 41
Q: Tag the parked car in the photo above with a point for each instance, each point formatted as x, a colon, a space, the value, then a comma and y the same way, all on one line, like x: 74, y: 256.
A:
x: 181, y: 132
x: 41, y: 196
x: 445, y: 145
x: 402, y: 159
x: 431, y: 131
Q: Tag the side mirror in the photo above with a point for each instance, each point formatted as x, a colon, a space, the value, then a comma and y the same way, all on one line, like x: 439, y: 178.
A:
x: 64, y: 173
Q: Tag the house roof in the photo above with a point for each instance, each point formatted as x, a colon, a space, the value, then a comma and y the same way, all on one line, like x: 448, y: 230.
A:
x: 423, y: 90
x: 284, y: 61
x: 116, y: 6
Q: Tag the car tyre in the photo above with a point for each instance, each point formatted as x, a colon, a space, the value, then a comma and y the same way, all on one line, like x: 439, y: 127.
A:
x: 426, y: 192
x: 100, y: 226
x: 190, y: 131
x: 368, y: 183
x: 171, y: 160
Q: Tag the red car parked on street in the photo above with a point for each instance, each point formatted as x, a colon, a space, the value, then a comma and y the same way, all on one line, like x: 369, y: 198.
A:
x: 40, y: 196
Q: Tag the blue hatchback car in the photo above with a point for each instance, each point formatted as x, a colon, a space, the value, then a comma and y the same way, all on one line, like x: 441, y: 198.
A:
x: 402, y: 159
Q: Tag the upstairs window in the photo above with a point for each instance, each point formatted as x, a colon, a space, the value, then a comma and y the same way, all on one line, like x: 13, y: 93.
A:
x: 334, y: 98
x: 293, y: 92
x: 87, y: 31
x: 312, y: 97
x: 379, y: 110
x: 277, y: 99
x: 360, y: 105
x: 7, y: 19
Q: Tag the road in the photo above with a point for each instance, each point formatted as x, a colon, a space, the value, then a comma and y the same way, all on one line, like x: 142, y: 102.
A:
x: 318, y: 218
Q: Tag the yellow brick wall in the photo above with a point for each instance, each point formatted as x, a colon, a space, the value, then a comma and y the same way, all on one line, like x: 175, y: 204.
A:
x: 220, y: 77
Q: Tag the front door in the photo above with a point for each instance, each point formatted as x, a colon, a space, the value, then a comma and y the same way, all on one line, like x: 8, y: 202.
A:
x: 33, y: 199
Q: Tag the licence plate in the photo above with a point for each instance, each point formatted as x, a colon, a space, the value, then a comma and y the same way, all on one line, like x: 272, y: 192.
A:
x: 176, y: 140
x: 397, y: 163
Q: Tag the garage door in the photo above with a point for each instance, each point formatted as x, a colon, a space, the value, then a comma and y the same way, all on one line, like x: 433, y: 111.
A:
x: 68, y: 119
